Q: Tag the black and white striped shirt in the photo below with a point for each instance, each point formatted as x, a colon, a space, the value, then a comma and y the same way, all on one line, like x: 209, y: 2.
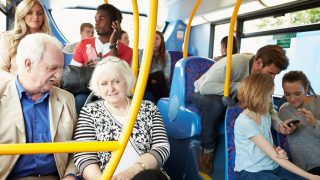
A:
x: 97, y: 124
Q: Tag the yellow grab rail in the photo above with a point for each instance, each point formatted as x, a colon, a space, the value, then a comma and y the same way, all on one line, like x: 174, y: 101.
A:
x: 116, y: 146
x: 139, y: 91
x: 135, y: 49
x: 58, y: 147
x: 229, y: 48
x: 186, y: 36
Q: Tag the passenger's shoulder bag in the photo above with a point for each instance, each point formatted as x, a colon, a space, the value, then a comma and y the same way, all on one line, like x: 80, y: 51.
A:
x: 76, y: 79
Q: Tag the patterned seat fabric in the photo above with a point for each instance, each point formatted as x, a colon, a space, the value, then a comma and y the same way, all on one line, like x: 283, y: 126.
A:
x: 231, y: 115
x: 194, y: 69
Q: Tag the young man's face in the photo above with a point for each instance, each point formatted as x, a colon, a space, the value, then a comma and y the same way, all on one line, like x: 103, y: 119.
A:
x: 271, y: 69
x: 103, y: 23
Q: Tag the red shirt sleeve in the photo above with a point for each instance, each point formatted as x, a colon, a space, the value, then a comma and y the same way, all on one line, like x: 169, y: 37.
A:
x: 124, y: 52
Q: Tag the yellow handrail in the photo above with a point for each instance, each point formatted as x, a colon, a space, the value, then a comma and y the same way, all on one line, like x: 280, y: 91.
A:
x: 186, y: 36
x: 135, y: 50
x: 229, y: 48
x: 58, y: 147
x: 138, y: 94
x: 116, y: 146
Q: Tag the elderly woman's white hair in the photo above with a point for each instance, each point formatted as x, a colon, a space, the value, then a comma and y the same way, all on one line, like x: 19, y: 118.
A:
x: 117, y: 67
x: 32, y: 47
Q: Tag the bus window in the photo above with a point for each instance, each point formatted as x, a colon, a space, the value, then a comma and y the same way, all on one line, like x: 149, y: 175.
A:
x: 293, y: 19
x: 308, y: 61
x: 3, y: 20
x: 220, y: 31
x: 69, y: 21
x: 3, y: 17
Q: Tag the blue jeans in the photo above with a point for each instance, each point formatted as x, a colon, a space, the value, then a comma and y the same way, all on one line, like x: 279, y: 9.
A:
x: 277, y: 174
x: 212, y: 112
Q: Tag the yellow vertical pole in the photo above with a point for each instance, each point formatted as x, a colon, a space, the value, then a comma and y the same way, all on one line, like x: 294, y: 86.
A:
x: 186, y: 36
x: 135, y: 54
x: 229, y: 48
x: 137, y: 97
x: 105, y: 1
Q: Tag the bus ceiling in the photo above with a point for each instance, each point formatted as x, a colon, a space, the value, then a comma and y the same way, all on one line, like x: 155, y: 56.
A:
x: 170, y: 10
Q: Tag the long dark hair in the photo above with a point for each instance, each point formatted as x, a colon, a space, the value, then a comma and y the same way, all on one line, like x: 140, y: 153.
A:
x: 235, y: 48
x: 162, y: 50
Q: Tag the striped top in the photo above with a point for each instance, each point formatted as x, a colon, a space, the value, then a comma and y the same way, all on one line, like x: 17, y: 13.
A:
x: 96, y: 123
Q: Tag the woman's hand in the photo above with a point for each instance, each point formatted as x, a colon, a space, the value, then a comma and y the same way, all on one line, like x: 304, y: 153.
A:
x: 281, y: 153
x: 129, y: 173
x: 309, y: 116
x: 284, y: 128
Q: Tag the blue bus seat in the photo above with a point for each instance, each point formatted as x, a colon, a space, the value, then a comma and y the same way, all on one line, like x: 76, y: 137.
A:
x: 175, y: 56
x: 67, y: 58
x: 230, y: 118
x: 179, y: 114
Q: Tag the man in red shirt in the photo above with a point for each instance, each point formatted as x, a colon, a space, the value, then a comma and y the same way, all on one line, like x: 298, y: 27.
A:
x: 108, y: 19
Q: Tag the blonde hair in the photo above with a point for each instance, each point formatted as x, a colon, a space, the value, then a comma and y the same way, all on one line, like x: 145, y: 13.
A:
x: 20, y: 27
x: 255, y: 92
x: 117, y: 67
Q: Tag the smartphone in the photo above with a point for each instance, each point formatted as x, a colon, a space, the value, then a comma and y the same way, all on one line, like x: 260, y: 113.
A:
x: 294, y: 122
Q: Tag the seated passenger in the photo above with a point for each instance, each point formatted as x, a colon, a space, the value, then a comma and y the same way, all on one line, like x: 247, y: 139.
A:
x: 256, y: 157
x: 224, y: 46
x: 124, y: 38
x: 148, y: 147
x: 108, y: 19
x: 24, y: 24
x: 32, y: 110
x: 304, y: 105
x: 86, y: 31
x: 159, y: 68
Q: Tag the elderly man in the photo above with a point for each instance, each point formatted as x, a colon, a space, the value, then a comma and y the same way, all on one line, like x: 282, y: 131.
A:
x: 32, y: 110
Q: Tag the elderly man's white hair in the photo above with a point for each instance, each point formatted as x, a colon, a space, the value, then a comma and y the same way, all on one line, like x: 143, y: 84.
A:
x: 32, y: 47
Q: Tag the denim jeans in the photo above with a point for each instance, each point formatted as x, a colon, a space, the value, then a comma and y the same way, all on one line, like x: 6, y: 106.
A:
x: 277, y: 174
x: 212, y: 112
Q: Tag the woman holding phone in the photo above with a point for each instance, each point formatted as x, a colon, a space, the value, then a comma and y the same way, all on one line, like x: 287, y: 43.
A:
x: 303, y: 105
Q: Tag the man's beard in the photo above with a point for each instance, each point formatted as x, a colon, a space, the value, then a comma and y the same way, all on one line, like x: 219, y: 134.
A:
x: 104, y: 33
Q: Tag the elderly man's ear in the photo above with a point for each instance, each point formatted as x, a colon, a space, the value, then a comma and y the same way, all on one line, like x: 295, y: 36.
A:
x: 28, y: 65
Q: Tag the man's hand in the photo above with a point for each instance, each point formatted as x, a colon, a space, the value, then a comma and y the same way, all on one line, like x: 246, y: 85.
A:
x: 116, y: 32
x: 92, y: 63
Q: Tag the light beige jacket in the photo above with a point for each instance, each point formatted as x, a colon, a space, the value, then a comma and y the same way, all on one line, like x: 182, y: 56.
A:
x: 62, y: 116
x: 8, y: 66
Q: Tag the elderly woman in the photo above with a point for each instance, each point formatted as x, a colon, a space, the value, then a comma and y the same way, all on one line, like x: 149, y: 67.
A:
x: 148, y: 147
x: 29, y: 18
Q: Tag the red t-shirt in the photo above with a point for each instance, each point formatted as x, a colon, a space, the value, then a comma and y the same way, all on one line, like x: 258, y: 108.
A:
x: 80, y: 55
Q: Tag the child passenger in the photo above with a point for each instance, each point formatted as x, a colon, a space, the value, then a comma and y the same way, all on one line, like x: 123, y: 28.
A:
x: 256, y: 156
